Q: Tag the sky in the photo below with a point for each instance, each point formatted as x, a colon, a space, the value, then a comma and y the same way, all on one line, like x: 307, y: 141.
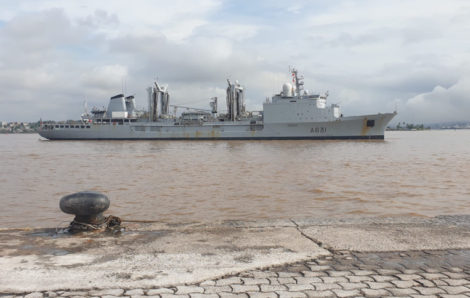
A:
x: 372, y: 56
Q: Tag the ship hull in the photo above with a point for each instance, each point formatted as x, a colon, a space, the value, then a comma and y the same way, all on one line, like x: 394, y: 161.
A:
x: 356, y: 127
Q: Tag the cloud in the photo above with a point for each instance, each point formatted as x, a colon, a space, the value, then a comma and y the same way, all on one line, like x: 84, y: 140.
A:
x: 370, y: 55
x: 234, y: 32
x: 176, y: 19
x: 29, y: 39
x: 104, y: 77
x: 101, y: 20
x: 441, y: 104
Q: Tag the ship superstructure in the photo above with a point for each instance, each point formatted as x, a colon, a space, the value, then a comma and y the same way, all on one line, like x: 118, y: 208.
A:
x: 293, y: 113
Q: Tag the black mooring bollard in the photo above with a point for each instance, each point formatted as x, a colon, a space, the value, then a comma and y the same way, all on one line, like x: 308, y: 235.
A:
x: 88, y: 208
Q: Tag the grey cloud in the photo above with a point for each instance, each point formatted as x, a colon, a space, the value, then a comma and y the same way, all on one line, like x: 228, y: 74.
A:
x: 199, y: 60
x: 40, y: 72
x: 346, y: 39
x: 424, y: 29
x: 441, y: 104
x: 411, y: 77
x: 39, y: 29
x: 50, y: 62
x: 100, y: 18
x: 195, y: 70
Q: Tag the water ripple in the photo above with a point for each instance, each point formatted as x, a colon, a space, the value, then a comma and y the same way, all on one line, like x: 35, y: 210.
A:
x: 410, y: 173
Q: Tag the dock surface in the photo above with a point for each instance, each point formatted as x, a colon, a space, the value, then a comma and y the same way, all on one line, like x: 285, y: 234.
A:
x: 371, y: 257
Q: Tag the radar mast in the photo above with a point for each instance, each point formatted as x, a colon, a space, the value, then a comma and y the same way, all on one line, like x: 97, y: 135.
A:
x: 298, y: 80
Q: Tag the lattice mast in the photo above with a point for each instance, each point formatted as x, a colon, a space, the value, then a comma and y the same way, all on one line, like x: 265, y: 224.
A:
x: 298, y: 80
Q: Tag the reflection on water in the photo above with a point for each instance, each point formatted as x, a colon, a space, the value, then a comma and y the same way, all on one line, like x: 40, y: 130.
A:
x: 419, y: 173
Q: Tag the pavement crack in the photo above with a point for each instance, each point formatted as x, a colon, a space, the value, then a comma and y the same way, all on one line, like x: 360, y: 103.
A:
x: 317, y: 242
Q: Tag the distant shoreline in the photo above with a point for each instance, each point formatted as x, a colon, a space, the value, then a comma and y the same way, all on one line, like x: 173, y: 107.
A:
x: 17, y: 133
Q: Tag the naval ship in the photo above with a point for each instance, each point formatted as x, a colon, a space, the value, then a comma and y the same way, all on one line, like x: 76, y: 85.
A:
x: 293, y: 113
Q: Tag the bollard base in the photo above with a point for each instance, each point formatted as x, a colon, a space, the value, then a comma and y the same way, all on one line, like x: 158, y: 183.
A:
x: 95, y: 219
x: 100, y: 223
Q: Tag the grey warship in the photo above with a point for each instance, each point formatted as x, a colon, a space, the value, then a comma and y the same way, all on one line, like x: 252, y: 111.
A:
x: 293, y: 113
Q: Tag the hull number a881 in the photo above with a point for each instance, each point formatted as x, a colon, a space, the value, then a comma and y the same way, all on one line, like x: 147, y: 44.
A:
x: 318, y: 130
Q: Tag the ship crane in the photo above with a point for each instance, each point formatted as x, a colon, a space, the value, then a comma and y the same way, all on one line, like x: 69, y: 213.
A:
x: 189, y: 108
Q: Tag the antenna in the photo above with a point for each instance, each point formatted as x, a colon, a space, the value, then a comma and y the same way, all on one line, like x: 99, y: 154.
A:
x: 85, y: 107
x: 85, y: 115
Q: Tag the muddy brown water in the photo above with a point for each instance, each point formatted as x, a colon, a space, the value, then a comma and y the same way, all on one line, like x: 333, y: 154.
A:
x: 410, y: 173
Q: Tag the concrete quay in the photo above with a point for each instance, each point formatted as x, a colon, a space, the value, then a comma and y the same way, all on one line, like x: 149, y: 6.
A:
x: 354, y: 257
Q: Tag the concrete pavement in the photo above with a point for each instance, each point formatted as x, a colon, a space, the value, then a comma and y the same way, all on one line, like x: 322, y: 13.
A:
x: 287, y: 258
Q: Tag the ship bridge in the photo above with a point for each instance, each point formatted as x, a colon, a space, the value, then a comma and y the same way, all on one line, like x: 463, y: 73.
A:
x: 294, y: 104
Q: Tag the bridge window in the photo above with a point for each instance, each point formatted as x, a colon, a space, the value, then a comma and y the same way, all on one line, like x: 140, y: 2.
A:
x: 370, y: 123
